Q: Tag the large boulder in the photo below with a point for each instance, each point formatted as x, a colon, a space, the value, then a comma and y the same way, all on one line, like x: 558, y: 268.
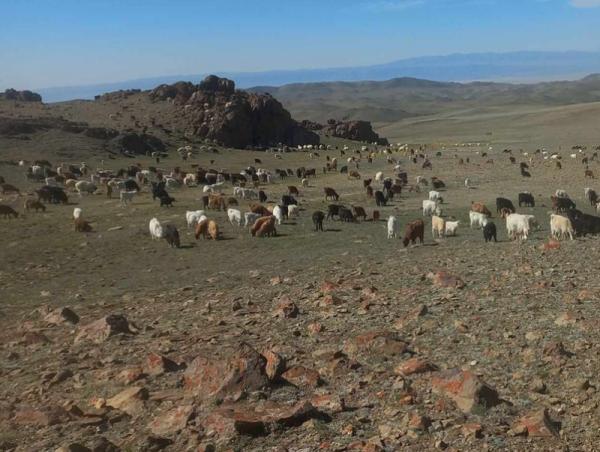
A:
x: 354, y: 130
x: 135, y: 143
x: 22, y: 96
x: 214, y: 110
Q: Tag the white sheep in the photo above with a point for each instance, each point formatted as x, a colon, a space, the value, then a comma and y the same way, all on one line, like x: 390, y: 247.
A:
x: 235, y: 216
x: 560, y: 227
x: 379, y: 176
x: 392, y: 227
x: 431, y: 208
x: 156, y: 229
x: 77, y: 212
x: 85, y: 186
x: 278, y: 214
x: 438, y: 227
x: 477, y: 219
x: 517, y: 226
x: 451, y: 227
x: 292, y: 210
x: 435, y: 196
x: 192, y: 217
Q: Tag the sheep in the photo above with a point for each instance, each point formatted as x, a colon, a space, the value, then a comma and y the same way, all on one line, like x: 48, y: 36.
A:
x: 85, y: 186
x: 467, y: 183
x: 267, y: 228
x: 317, y: 218
x: 250, y: 218
x: 292, y: 210
x: 561, y: 194
x: 126, y: 196
x: 304, y: 183
x: 33, y: 204
x: 379, y: 176
x: 477, y: 219
x: 560, y: 227
x: 82, y: 226
x: 435, y: 196
x: 431, y: 208
x: 235, y: 216
x: 8, y: 211
x: 517, y: 226
x: 201, y: 228
x: 278, y: 214
x: 77, y: 212
x: 171, y: 235
x: 451, y: 227
x: 213, y: 230
x: 156, y: 229
x: 413, y: 231
x: 260, y: 222
x: 192, y: 217
x: 438, y: 226
x: 392, y: 227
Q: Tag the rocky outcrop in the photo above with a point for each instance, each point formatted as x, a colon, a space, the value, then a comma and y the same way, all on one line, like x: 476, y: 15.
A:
x: 134, y: 143
x: 21, y: 96
x: 214, y: 110
x: 354, y: 130
x: 117, y: 95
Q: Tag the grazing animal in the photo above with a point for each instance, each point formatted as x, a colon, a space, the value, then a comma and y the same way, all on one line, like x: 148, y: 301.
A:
x: 589, y: 173
x: 451, y: 227
x: 330, y: 193
x: 517, y: 226
x: 261, y: 210
x: 592, y: 196
x: 503, y: 203
x: 431, y: 208
x: 292, y: 210
x: 413, y: 231
x: 561, y: 194
x: 171, y: 235
x: 481, y: 208
x: 562, y: 204
x: 354, y: 175
x: 262, y: 196
x: 127, y: 196
x: 369, y: 191
x: 260, y: 222
x: 346, y: 215
x: 7, y: 211
x: 193, y: 217
x: 84, y: 186
x: 561, y: 227
x: 166, y: 201
x: 287, y: 200
x: 379, y: 176
x: 213, y: 230
x: 437, y: 184
x: 278, y: 214
x: 359, y: 212
x: 526, y: 199
x: 392, y: 227
x: 156, y: 229
x: 201, y: 229
x: 317, y: 218
x: 304, y: 184
x: 235, y: 217
x: 489, y: 231
x: 583, y: 223
x: 8, y: 189
x: 333, y: 210
x: 477, y: 219
x: 435, y: 196
x: 376, y: 215
x: 292, y: 190
x: 82, y: 226
x: 33, y: 204
x: 438, y: 226
x: 380, y: 199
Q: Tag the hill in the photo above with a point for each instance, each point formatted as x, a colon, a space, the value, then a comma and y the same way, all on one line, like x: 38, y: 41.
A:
x: 509, y: 66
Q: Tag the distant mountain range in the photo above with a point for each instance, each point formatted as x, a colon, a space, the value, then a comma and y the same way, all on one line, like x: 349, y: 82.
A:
x: 507, y: 67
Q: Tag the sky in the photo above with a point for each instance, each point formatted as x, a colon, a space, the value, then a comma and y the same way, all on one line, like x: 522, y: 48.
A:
x: 46, y: 43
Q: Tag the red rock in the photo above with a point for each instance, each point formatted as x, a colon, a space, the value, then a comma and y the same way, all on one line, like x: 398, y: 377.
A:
x: 130, y: 375
x: 331, y: 300
x: 473, y: 430
x: 414, y: 366
x: 364, y: 446
x: 158, y: 364
x: 61, y: 315
x: 241, y: 419
x: 418, y: 422
x: 172, y: 421
x: 445, y: 279
x: 302, y: 377
x: 286, y: 308
x: 43, y: 417
x: 328, y: 286
x: 375, y: 344
x: 102, y: 329
x: 131, y: 400
x: 551, y: 245
x: 538, y: 424
x: 466, y: 390
x: 275, y: 365
x: 330, y: 403
x: 315, y: 328
x: 228, y: 378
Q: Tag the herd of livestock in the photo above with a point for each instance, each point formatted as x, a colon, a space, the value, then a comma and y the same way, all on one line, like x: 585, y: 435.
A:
x: 263, y: 216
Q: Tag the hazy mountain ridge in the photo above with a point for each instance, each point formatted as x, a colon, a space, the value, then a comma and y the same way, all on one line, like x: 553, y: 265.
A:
x: 511, y: 66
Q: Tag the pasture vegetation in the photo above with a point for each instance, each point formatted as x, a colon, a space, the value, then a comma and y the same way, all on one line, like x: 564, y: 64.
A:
x: 525, y: 321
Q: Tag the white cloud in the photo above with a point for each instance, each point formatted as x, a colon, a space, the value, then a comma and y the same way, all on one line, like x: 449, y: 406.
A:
x: 585, y: 3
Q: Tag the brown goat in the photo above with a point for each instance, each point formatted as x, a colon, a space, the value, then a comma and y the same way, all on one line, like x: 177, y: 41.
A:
x: 267, y: 228
x: 216, y: 202
x: 201, y: 229
x: 414, y: 230
x: 261, y: 210
x: 359, y: 212
x: 33, y: 204
x: 8, y: 211
x: 292, y: 190
x: 481, y: 208
x: 213, y: 230
x: 81, y: 225
x: 259, y: 222
x: 376, y: 215
x: 330, y: 193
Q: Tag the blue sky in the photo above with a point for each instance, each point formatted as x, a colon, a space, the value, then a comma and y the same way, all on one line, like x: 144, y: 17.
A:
x: 73, y: 42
